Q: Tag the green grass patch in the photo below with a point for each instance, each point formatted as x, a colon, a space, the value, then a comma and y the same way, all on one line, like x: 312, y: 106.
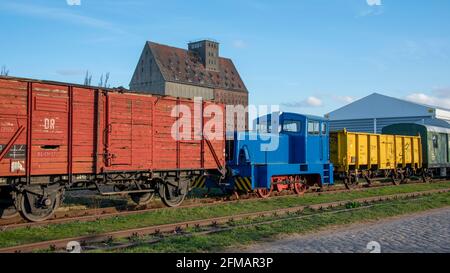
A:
x: 165, y: 216
x: 241, y: 236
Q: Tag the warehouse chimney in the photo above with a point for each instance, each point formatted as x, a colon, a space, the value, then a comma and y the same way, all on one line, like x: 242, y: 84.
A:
x: 208, y: 51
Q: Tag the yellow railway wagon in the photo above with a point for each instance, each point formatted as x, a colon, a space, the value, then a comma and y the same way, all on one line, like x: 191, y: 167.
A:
x: 363, y: 151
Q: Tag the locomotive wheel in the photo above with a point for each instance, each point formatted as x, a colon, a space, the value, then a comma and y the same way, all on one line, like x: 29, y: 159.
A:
x: 173, y: 196
x: 264, y: 192
x: 35, y: 208
x: 8, y: 209
x: 299, y: 188
x: 142, y: 198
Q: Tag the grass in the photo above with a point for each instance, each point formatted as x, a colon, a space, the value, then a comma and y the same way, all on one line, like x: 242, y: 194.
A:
x: 165, y: 216
x: 239, y: 237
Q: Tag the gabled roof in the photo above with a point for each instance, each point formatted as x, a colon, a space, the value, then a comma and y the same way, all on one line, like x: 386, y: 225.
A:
x: 381, y: 106
x: 183, y: 66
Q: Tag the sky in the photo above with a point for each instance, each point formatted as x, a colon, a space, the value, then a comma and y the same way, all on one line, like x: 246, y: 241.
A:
x: 308, y: 56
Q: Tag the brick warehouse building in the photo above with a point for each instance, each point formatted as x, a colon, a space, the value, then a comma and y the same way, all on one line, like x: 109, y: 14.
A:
x: 198, y: 71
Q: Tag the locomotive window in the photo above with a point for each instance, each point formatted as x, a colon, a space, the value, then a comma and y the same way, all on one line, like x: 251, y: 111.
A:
x: 262, y: 128
x: 310, y: 127
x: 292, y: 126
x: 324, y: 128
x: 313, y: 127
x: 316, y: 127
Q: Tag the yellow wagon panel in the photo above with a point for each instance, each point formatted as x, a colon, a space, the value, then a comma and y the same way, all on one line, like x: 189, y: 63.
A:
x: 399, y: 150
x: 351, y: 149
x: 374, y: 152
x: 364, y: 151
x: 387, y: 152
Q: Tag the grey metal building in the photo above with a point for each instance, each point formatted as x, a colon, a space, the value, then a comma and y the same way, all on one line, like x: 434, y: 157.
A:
x: 372, y: 113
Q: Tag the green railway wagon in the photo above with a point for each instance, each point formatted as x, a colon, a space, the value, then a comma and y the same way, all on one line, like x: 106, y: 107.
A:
x: 435, y: 144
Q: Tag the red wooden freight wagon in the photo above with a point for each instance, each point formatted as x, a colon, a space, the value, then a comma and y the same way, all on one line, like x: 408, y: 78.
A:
x: 57, y: 135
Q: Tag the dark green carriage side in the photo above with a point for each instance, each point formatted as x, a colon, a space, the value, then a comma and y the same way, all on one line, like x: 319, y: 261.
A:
x: 435, y: 142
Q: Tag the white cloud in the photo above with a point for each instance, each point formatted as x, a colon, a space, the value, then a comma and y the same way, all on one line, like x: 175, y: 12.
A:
x: 374, y: 8
x: 314, y: 102
x: 374, y: 2
x: 239, y: 44
x: 440, y: 98
x: 73, y: 2
x: 344, y: 99
x: 309, y: 102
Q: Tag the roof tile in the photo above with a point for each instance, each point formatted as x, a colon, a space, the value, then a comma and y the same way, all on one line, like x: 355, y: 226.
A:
x: 183, y: 66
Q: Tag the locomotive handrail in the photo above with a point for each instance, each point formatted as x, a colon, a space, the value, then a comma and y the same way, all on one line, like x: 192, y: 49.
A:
x: 221, y: 169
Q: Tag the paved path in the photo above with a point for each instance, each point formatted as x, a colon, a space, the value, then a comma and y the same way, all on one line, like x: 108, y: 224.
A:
x: 423, y: 232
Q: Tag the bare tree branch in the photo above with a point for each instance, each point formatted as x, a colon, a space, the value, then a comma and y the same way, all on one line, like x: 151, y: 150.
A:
x: 87, y: 78
x: 100, y: 84
x: 104, y: 81
x: 4, y: 71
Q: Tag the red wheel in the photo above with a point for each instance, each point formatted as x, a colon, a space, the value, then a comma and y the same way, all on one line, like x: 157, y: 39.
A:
x: 279, y: 187
x: 264, y: 193
x: 299, y: 188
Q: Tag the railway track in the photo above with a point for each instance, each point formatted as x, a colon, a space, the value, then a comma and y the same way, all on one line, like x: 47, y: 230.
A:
x: 89, y: 215
x: 86, y: 215
x: 176, y: 228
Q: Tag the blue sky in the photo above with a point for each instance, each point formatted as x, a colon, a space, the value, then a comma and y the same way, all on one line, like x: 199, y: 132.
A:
x: 309, y: 56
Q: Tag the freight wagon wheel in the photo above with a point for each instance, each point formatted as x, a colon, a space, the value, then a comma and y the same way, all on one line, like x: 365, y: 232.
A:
x: 264, y: 192
x: 427, y: 176
x: 8, y: 209
x: 350, y: 183
x: 398, y: 178
x: 406, y: 180
x: 35, y: 208
x: 172, y: 195
x: 142, y: 198
x: 368, y: 175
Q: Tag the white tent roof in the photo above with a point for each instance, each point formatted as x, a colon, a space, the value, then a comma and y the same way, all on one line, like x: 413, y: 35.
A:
x: 381, y: 106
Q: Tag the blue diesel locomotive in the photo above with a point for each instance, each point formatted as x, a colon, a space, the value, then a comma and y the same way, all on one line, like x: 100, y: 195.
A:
x: 287, y: 152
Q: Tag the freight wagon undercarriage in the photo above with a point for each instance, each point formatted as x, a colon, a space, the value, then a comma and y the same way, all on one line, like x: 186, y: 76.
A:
x: 352, y: 178
x: 38, y: 200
